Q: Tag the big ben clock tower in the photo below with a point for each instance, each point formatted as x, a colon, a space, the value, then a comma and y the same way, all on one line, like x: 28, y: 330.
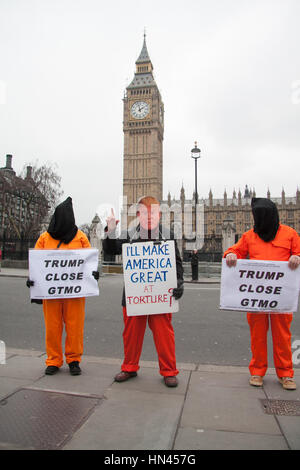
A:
x: 143, y: 127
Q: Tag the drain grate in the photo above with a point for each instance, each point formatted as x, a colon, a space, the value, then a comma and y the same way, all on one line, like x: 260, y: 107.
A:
x: 281, y: 407
x: 37, y: 419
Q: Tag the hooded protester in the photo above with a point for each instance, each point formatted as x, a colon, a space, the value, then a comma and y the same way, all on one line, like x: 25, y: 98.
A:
x: 62, y: 224
x: 63, y: 234
x: 268, y: 240
x: 266, y: 218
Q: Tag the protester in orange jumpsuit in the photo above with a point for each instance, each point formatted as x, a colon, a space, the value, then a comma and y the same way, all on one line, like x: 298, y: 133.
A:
x: 63, y: 234
x: 160, y: 324
x: 269, y: 240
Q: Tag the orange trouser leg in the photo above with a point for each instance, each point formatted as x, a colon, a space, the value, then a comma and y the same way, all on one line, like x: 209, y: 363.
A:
x: 53, y: 315
x: 259, y: 325
x: 74, y: 313
x: 282, y: 350
x: 163, y: 334
x: 133, y: 337
x: 281, y: 335
x: 164, y: 339
x: 56, y: 313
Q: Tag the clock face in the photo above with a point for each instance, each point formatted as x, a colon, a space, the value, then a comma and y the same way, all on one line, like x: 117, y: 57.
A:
x: 140, y: 109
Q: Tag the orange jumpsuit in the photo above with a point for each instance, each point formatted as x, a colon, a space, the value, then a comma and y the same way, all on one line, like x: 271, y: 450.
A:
x: 285, y: 244
x: 164, y: 339
x: 58, y: 312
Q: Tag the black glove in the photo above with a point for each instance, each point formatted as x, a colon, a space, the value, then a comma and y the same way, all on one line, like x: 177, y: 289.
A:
x: 29, y: 283
x: 36, y: 301
x: 96, y: 275
x: 178, y: 291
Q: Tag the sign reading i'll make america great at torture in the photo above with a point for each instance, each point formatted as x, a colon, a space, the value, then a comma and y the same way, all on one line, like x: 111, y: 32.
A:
x: 259, y: 286
x: 150, y: 277
x: 61, y: 274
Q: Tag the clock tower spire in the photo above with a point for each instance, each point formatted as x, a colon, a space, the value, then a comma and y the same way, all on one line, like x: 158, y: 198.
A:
x: 143, y: 129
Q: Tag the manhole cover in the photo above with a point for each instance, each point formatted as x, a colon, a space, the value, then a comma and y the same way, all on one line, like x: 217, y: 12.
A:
x: 282, y: 407
x: 42, y: 420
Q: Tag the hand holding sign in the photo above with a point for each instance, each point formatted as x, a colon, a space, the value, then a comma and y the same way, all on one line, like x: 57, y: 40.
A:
x: 294, y: 262
x: 178, y: 291
x: 231, y: 260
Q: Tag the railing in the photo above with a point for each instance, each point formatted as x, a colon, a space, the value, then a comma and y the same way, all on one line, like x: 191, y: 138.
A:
x: 15, y: 248
x: 209, y: 257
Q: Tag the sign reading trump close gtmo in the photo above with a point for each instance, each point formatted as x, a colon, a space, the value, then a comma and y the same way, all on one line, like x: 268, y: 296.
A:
x: 150, y: 277
x: 61, y: 274
x: 259, y: 286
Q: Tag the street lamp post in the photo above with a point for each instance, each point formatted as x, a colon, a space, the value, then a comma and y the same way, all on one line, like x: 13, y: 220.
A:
x: 195, y: 154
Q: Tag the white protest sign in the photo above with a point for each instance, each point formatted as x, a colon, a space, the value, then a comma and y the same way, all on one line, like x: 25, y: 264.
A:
x: 61, y: 274
x: 259, y: 286
x: 150, y: 276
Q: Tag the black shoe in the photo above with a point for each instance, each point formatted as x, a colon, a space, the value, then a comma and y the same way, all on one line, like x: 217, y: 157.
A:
x: 74, y: 368
x: 51, y: 370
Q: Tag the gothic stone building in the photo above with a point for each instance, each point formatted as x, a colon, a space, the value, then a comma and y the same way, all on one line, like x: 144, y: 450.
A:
x: 21, y: 205
x: 236, y: 211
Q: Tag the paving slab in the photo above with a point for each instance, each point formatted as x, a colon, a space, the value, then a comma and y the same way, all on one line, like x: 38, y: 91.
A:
x: 274, y: 389
x: 226, y: 408
x: 94, y: 380
x: 24, y: 352
x: 218, y: 379
x: 23, y: 367
x: 290, y: 427
x: 130, y: 419
x: 8, y: 385
x: 207, y: 439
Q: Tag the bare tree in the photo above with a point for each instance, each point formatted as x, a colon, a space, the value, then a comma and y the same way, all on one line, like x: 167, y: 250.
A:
x: 86, y: 228
x: 45, y: 180
x: 29, y: 197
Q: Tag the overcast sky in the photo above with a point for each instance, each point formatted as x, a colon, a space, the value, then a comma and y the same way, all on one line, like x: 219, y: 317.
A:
x: 228, y: 72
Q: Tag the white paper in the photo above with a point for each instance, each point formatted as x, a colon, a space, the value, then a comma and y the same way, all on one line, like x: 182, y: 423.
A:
x: 150, y: 276
x: 61, y: 274
x: 259, y: 286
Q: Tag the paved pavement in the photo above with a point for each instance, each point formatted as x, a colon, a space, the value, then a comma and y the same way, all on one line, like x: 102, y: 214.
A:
x: 213, y: 408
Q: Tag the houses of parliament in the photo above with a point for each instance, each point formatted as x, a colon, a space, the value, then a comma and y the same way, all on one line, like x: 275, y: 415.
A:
x: 143, y: 127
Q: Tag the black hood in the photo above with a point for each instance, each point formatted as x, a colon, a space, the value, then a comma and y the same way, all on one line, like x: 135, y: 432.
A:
x: 266, y: 218
x: 62, y: 224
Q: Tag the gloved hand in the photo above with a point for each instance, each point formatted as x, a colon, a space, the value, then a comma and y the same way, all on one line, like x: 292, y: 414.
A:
x: 178, y: 291
x: 29, y: 283
x: 96, y: 275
